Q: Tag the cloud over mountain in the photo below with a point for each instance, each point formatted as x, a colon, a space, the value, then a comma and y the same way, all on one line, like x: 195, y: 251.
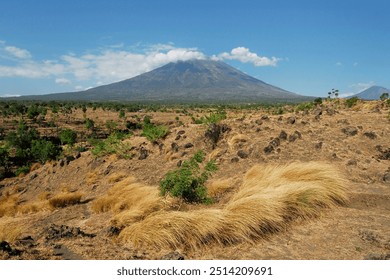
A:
x: 111, y: 64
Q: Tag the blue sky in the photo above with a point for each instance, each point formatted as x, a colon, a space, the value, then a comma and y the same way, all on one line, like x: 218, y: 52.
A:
x: 307, y: 47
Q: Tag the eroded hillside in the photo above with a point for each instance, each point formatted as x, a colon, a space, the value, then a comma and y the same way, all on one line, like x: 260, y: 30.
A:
x: 108, y: 206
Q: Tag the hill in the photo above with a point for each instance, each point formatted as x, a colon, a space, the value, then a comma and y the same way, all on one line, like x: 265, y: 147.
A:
x: 196, y: 81
x: 275, y: 195
x: 372, y: 93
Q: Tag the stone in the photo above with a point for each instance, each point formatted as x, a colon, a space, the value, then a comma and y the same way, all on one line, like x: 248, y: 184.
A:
x: 143, y: 153
x: 242, y: 154
x: 283, y: 135
x: 291, y: 120
x: 173, y: 256
x: 350, y: 130
x: 188, y: 145
x: 268, y: 149
x: 370, y: 134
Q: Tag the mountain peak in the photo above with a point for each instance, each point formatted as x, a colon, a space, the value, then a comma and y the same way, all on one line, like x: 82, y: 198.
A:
x: 202, y: 81
x: 372, y: 93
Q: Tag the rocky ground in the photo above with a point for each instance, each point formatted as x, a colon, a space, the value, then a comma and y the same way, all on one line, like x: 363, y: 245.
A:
x: 355, y: 140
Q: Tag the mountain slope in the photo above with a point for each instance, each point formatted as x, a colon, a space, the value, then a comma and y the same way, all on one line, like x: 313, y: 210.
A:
x: 185, y: 81
x: 372, y: 93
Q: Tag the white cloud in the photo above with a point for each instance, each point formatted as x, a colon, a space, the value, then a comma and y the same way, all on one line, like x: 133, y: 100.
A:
x: 63, y: 81
x: 112, y: 64
x: 17, y: 52
x: 339, y: 63
x: 246, y: 56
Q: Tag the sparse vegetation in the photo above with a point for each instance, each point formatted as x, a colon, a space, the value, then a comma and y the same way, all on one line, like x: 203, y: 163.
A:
x: 114, y: 144
x: 188, y: 182
x: 153, y: 132
x: 350, y: 102
x: 68, y: 137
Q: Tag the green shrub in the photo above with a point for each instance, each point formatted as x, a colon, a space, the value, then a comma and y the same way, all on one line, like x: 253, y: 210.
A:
x: 350, y: 102
x: 317, y: 101
x: 211, y: 118
x: 112, y: 145
x: 188, y: 181
x: 22, y: 170
x: 305, y: 106
x: 43, y: 150
x: 68, y: 136
x: 153, y: 132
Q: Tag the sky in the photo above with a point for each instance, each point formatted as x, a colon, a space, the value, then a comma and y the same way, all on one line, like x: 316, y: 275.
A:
x: 306, y: 47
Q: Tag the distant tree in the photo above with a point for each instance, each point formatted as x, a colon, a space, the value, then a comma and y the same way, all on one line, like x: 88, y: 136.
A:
x: 317, y: 101
x: 384, y: 96
x: 89, y: 124
x: 68, y: 136
x: 43, y: 150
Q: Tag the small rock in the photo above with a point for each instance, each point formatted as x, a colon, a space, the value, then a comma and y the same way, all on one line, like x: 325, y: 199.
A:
x: 370, y: 134
x: 265, y: 118
x: 174, y: 147
x: 188, y: 145
x: 318, y: 145
x: 78, y: 155
x: 296, y: 135
x: 173, y: 256
x: 177, y: 137
x: 291, y: 120
x: 235, y: 159
x: 179, y: 163
x: 352, y: 162
x: 242, y: 154
x: 143, y: 153
x: 268, y: 149
x: 259, y: 122
x: 350, y: 130
x: 283, y: 135
x: 275, y: 142
x: 181, y: 132
x: 386, y: 177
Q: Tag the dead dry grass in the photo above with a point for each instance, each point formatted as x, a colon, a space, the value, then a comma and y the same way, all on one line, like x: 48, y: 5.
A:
x: 268, y: 199
x: 9, y: 229
x: 130, y: 201
x: 65, y: 199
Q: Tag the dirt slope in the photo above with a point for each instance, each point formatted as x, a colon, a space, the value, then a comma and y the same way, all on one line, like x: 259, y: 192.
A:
x: 353, y: 140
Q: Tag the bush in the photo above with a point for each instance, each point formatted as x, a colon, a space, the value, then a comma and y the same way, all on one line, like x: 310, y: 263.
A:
x: 305, y: 106
x: 43, y: 150
x: 112, y: 145
x: 211, y: 118
x: 188, y: 181
x: 350, y: 102
x: 153, y: 132
x: 68, y: 136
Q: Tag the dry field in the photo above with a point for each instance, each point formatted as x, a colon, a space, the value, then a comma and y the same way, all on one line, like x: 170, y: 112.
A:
x: 312, y: 184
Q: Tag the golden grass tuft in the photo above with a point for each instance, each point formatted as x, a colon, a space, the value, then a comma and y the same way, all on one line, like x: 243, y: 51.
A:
x: 9, y: 229
x: 238, y: 139
x: 131, y: 201
x: 269, y: 198
x: 219, y: 187
x: 8, y: 205
x: 65, y: 199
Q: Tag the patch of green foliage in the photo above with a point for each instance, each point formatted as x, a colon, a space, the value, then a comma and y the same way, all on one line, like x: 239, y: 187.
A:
x: 153, y: 132
x: 211, y: 118
x: 23, y: 170
x: 43, y: 150
x: 350, y: 102
x: 305, y: 106
x: 68, y: 136
x: 188, y: 181
x: 112, y: 145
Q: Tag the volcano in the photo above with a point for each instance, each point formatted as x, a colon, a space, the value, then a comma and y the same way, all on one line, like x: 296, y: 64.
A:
x: 193, y: 81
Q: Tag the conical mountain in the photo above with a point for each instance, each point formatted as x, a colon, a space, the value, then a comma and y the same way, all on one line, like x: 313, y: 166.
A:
x: 372, y: 93
x: 186, y: 81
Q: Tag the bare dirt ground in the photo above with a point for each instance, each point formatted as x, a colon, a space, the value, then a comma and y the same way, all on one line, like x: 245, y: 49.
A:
x: 354, y: 140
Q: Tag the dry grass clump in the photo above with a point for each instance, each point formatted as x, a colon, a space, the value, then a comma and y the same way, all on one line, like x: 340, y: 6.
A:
x: 238, y: 139
x: 9, y: 230
x: 131, y: 201
x: 8, y: 204
x: 219, y: 187
x: 268, y: 199
x: 65, y: 199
